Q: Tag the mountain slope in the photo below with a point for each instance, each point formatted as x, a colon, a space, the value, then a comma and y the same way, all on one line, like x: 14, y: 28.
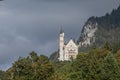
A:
x: 99, y: 30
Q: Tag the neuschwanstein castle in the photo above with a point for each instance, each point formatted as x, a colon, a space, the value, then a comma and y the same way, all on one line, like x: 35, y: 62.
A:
x: 67, y: 50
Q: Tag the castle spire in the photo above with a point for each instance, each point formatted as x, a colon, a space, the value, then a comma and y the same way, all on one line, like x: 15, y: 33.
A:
x: 61, y: 30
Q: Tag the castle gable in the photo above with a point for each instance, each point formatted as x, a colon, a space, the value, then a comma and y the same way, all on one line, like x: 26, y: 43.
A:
x: 71, y: 43
x: 71, y: 50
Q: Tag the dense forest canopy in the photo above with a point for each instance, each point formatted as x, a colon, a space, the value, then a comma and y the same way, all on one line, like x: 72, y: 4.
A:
x: 97, y: 64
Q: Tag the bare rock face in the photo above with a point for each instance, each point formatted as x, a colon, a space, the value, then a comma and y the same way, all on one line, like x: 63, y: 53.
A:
x: 88, y: 33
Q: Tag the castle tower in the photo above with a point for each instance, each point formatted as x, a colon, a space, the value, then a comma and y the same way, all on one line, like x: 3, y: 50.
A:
x: 61, y: 46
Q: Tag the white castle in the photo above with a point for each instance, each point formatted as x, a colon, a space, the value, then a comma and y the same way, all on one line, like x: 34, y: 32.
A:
x: 67, y: 51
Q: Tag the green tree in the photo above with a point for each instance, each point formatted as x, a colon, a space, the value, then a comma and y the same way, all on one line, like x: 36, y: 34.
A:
x: 110, y: 68
x: 2, y: 75
x: 31, y: 68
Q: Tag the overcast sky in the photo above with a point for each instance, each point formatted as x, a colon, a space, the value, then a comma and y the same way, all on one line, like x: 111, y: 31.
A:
x: 34, y: 25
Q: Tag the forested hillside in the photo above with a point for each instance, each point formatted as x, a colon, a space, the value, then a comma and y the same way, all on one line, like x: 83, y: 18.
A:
x: 108, y: 30
x: 97, y: 64
x: 108, y: 27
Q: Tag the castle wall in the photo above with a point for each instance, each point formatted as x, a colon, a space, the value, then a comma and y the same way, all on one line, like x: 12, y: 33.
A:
x: 67, y: 52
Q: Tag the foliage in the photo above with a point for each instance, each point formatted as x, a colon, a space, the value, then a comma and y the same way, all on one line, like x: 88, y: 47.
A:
x: 54, y: 56
x: 97, y: 64
x: 33, y: 67
x: 2, y: 75
x: 110, y: 68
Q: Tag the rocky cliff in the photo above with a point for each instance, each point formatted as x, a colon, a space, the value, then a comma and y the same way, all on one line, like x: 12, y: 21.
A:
x: 102, y: 29
x: 88, y: 33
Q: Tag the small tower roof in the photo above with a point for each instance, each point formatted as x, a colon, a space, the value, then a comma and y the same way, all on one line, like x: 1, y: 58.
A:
x: 73, y: 39
x: 61, y: 30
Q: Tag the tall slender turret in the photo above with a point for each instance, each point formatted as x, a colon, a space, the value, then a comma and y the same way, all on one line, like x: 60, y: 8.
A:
x: 61, y: 46
x: 67, y: 51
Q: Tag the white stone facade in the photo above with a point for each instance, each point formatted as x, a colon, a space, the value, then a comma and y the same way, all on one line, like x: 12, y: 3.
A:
x: 68, y: 51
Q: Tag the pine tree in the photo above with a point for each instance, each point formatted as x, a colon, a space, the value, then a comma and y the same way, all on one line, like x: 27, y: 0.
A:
x: 110, y: 68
